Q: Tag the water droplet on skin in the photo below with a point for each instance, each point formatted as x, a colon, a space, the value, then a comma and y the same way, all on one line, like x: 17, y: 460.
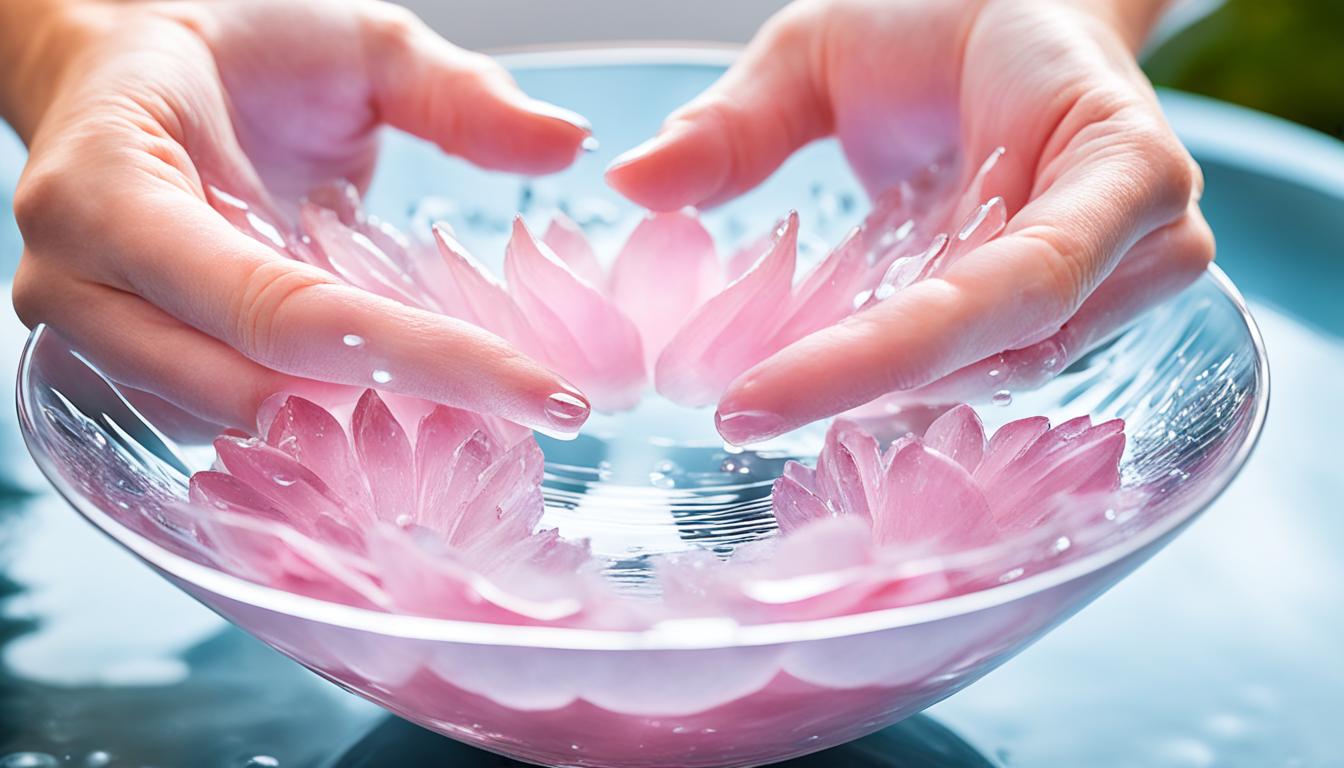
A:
x: 381, y: 376
x: 884, y: 291
x: 352, y: 340
x: 1002, y: 398
x: 283, y: 480
x: 861, y: 298
x: 973, y: 223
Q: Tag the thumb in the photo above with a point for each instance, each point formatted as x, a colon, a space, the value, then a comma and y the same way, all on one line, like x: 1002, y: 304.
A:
x: 465, y: 102
x: 731, y: 137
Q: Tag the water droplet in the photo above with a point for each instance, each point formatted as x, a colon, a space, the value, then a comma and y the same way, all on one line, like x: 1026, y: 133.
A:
x: 352, y: 340
x: 1062, y: 543
x: 97, y: 759
x: 973, y: 223
x: 662, y: 480
x: 29, y: 760
x: 99, y: 440
x: 1012, y: 575
x: 861, y: 298
x: 604, y: 470
x: 262, y: 761
x: 381, y: 376
x: 283, y: 480
x: 995, y: 373
x: 1110, y: 514
x: 1002, y: 398
x: 884, y: 291
x: 404, y: 521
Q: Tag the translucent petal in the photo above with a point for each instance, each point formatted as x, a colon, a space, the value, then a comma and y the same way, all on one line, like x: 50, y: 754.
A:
x: 385, y: 454
x: 472, y: 294
x: 932, y: 503
x: 310, y: 434
x: 666, y: 269
x: 588, y: 339
x: 958, y: 435
x: 729, y: 333
x: 567, y: 240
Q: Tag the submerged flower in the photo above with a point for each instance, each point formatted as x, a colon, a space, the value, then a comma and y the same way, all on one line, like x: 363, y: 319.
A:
x: 668, y: 310
x: 924, y: 519
x: 441, y: 522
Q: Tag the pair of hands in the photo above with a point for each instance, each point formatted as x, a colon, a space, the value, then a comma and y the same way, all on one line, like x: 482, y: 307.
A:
x: 131, y: 109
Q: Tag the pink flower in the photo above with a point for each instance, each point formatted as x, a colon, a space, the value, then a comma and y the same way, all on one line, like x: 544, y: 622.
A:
x: 929, y: 517
x: 668, y: 311
x: 442, y: 523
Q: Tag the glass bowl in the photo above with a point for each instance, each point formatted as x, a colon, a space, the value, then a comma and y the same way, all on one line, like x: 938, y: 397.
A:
x: 1190, y: 379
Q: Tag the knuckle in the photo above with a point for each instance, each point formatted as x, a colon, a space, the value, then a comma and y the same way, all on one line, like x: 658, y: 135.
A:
x: 38, y: 196
x: 1168, y: 167
x: 391, y: 27
x: 268, y: 293
x: 1196, y: 247
x: 29, y: 293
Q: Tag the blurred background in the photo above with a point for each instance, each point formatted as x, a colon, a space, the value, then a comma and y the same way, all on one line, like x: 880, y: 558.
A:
x: 1284, y: 57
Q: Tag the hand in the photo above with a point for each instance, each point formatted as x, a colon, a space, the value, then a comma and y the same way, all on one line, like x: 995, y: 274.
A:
x: 1103, y: 198
x: 132, y: 109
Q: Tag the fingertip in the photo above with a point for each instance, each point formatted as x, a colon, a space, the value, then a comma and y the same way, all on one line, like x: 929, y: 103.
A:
x: 683, y: 165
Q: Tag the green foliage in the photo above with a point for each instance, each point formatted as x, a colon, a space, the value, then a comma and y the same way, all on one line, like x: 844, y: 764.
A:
x: 1285, y: 57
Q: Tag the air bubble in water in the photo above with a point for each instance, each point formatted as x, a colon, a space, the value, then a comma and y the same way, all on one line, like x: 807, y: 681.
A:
x: 1002, y: 398
x: 381, y: 376
x: 97, y: 759
x: 352, y: 340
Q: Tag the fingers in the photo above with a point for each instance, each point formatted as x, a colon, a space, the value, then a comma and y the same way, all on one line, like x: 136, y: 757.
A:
x: 1013, y: 291
x: 138, y: 345
x: 464, y: 102
x: 168, y: 247
x: 1158, y: 268
x: 732, y: 136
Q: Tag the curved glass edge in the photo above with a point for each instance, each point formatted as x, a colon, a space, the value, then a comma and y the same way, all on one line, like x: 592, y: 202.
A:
x: 707, y: 634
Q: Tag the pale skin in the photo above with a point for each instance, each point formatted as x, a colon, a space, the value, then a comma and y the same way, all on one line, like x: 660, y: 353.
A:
x: 127, y: 108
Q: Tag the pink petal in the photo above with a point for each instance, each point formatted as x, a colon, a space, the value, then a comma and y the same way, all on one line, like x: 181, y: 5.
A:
x: 728, y: 334
x: 355, y: 258
x: 1007, y: 444
x: 568, y: 242
x: 275, y: 555
x: 385, y: 453
x: 448, y: 476
x: 1069, y: 460
x: 290, y: 486
x: 826, y: 295
x: 218, y: 490
x: 259, y: 220
x: 310, y: 434
x: 849, y: 471
x: 795, y: 505
x: 471, y: 293
x: 667, y: 268
x: 507, y: 504
x: 931, y: 502
x: 587, y: 338
x: 958, y: 435
x: 747, y: 256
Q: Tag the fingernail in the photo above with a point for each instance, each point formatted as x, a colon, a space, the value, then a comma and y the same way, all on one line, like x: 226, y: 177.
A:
x: 566, y: 410
x: 590, y: 144
x: 745, y: 427
x: 547, y: 109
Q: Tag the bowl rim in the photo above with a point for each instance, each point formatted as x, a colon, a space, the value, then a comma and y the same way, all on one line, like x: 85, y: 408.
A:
x: 672, y: 635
